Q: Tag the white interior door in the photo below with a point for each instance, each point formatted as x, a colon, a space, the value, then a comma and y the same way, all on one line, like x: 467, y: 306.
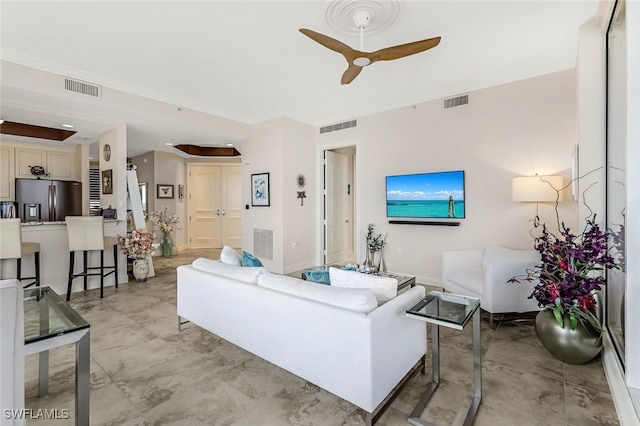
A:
x: 205, y: 210
x: 336, y: 228
x: 231, y: 202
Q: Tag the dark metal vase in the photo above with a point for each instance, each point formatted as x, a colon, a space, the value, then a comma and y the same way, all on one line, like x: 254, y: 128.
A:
x: 577, y: 346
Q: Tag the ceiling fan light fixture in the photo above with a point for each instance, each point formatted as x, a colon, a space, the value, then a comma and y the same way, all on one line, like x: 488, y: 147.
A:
x: 361, y: 18
x: 361, y: 62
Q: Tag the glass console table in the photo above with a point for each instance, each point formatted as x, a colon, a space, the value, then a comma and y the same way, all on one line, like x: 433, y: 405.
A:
x: 50, y: 322
x: 454, y: 311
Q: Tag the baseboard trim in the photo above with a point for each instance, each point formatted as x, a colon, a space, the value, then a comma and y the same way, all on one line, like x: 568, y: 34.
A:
x: 627, y: 415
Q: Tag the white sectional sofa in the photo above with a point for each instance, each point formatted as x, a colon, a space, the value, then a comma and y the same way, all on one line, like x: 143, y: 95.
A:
x: 336, y: 338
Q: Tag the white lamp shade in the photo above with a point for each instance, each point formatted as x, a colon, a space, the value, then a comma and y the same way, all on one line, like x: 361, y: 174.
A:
x: 537, y: 189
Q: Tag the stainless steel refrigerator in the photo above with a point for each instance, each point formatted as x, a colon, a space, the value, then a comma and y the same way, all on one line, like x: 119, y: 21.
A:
x: 48, y: 200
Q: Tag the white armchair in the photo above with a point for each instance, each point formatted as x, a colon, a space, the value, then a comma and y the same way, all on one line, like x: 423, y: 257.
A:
x: 484, y: 273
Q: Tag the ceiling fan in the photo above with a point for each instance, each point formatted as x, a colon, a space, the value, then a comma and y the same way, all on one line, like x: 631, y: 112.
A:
x: 359, y: 59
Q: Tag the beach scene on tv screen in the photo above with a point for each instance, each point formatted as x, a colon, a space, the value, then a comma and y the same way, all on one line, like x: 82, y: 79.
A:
x: 428, y: 195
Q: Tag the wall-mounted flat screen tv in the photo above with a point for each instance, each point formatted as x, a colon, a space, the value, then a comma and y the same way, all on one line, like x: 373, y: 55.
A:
x: 438, y: 195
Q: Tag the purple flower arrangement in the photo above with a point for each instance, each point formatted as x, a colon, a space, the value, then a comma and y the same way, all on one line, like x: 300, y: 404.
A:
x: 570, y: 272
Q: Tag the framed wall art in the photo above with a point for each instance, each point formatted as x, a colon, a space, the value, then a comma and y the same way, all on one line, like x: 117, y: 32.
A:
x: 164, y: 191
x: 107, y: 181
x: 260, y: 190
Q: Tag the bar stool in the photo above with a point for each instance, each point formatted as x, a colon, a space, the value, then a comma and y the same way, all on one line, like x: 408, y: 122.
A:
x: 12, y: 247
x: 86, y: 233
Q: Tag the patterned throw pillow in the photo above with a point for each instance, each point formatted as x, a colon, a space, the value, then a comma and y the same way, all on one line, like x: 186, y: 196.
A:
x: 250, y: 260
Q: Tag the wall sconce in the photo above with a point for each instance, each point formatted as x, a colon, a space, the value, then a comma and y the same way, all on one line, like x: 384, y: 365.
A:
x: 537, y: 189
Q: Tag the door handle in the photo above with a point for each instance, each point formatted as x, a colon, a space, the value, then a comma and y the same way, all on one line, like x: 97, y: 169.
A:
x: 217, y: 212
x: 50, y: 201
x: 55, y: 202
x: 224, y: 213
x: 346, y: 221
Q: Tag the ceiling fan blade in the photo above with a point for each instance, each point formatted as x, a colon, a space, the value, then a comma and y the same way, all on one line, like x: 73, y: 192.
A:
x: 330, y: 43
x: 350, y: 74
x: 402, y: 50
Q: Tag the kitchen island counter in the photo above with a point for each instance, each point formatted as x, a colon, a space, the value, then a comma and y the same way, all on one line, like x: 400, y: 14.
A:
x: 54, y: 256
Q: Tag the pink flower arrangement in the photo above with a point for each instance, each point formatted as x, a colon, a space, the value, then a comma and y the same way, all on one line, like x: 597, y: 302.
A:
x: 138, y: 243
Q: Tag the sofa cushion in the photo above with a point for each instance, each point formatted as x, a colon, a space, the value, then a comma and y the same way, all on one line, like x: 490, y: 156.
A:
x: 358, y: 300
x: 497, y: 254
x: 230, y: 256
x: 469, y: 278
x: 384, y: 288
x: 246, y: 275
x: 250, y: 260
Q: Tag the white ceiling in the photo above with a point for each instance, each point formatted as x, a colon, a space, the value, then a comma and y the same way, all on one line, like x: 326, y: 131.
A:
x: 247, y: 61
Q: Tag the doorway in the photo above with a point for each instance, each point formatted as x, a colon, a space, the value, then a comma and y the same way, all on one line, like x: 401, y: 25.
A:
x: 214, y: 205
x: 339, y: 206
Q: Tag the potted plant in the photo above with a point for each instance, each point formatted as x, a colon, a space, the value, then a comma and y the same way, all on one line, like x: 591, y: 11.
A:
x: 568, y: 278
x: 375, y: 243
x: 167, y: 223
x: 138, y: 245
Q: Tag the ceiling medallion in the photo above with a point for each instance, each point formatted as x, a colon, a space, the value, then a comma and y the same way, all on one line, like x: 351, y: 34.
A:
x: 340, y: 14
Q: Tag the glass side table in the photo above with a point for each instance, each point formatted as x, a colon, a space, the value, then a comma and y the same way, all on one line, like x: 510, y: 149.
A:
x: 453, y: 311
x: 50, y: 322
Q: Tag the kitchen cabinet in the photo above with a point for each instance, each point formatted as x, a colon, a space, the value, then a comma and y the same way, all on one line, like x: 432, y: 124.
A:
x: 25, y: 158
x: 7, y: 173
x: 61, y: 165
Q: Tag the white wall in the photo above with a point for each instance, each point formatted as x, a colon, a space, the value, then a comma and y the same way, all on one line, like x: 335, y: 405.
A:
x: 170, y: 169
x: 117, y: 140
x: 299, y: 244
x: 263, y: 153
x: 515, y: 129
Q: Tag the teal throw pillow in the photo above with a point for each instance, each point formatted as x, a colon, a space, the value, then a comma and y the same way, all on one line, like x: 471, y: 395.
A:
x: 320, y: 276
x: 250, y: 260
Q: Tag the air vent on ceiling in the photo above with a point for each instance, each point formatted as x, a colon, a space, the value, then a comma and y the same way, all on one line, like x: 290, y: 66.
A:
x: 81, y: 87
x: 455, y: 102
x: 338, y: 126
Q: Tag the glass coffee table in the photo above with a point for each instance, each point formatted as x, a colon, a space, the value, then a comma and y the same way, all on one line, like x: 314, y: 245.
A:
x: 321, y: 275
x: 50, y: 322
x: 453, y: 311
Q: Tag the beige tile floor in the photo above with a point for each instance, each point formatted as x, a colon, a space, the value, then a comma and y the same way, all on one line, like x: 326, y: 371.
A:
x: 145, y: 372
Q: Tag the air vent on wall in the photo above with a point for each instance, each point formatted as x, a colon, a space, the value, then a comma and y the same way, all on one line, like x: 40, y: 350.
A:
x: 81, y: 87
x: 338, y: 126
x: 263, y: 243
x: 457, y: 101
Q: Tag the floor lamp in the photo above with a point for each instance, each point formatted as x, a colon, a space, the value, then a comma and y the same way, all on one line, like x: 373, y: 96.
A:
x: 537, y: 189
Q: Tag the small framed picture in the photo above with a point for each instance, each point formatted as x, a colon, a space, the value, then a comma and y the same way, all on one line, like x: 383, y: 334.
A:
x: 181, y: 191
x: 260, y: 190
x: 164, y: 191
x: 107, y: 181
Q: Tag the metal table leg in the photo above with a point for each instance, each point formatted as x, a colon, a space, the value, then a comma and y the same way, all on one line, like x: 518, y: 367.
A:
x: 414, y: 417
x: 43, y: 357
x: 83, y: 367
x: 477, y: 370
